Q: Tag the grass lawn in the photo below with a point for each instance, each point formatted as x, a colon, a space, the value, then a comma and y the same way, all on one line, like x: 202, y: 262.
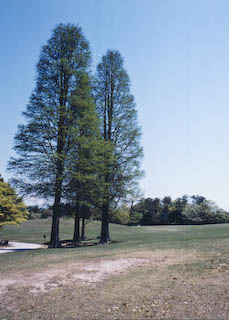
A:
x: 164, y: 272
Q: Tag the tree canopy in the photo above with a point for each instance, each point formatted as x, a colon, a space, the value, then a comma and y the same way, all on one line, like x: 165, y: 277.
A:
x: 185, y: 210
x: 42, y: 144
x: 119, y: 127
x: 12, y: 208
x: 78, y: 148
x: 84, y: 161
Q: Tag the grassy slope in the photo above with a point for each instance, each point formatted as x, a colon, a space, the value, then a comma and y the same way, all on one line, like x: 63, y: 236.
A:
x: 126, y: 239
x: 194, y: 288
x: 33, y: 231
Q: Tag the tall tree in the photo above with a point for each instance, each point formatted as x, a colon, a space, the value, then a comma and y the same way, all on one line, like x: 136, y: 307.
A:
x: 84, y: 161
x: 119, y: 128
x: 42, y: 143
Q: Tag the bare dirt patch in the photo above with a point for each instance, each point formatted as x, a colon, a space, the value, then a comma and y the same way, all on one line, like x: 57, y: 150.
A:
x: 87, y: 272
x: 161, y: 284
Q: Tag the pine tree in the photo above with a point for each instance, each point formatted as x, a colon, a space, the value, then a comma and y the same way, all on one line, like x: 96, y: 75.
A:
x: 12, y: 208
x: 42, y: 144
x: 84, y: 161
x: 119, y: 127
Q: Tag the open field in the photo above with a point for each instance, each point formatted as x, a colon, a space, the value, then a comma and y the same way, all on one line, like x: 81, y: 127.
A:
x: 164, y: 272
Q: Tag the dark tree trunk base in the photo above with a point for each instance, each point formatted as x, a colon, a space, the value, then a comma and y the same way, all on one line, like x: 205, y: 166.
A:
x: 105, y: 242
x: 105, y: 234
x: 55, y: 245
x: 4, y: 242
x: 83, y: 237
x: 76, y: 236
x: 75, y: 244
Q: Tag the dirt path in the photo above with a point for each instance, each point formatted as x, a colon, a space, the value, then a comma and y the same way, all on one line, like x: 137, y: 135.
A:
x: 86, y: 272
x: 16, y: 246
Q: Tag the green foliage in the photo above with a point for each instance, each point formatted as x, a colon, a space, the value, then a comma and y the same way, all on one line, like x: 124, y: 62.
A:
x: 42, y: 144
x: 185, y: 210
x: 135, y: 218
x: 119, y: 127
x: 85, y: 160
x: 204, y: 212
x: 117, y: 112
x: 36, y: 212
x: 150, y: 210
x: 63, y: 152
x: 12, y: 208
x: 120, y: 215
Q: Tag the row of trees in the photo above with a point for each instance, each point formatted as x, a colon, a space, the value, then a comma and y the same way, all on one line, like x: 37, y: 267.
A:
x: 80, y: 144
x: 184, y: 210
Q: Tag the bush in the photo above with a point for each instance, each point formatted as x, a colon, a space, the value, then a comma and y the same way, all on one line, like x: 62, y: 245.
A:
x: 205, y: 213
x: 12, y: 208
x: 120, y: 215
x: 135, y: 218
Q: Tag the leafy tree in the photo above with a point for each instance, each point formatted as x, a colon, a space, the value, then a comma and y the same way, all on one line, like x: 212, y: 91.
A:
x: 151, y: 212
x: 204, y: 212
x: 197, y: 199
x: 12, y: 208
x: 176, y: 210
x: 166, y: 205
x: 85, y: 157
x: 135, y: 218
x: 181, y: 211
x: 117, y: 112
x: 42, y: 144
x: 121, y: 215
x: 145, y: 207
x: 35, y: 212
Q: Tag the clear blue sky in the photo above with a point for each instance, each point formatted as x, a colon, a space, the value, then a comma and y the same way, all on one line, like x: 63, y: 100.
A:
x: 177, y: 56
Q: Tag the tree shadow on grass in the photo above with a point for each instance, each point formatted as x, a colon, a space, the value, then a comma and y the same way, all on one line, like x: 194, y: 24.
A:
x: 68, y: 243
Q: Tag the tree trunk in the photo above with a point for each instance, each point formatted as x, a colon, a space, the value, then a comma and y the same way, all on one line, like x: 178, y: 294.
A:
x: 105, y: 236
x: 83, y: 237
x: 76, y: 236
x: 54, y: 239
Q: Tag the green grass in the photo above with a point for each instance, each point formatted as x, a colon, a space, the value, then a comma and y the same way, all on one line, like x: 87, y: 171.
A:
x: 128, y: 237
x: 186, y: 277
x: 207, y: 238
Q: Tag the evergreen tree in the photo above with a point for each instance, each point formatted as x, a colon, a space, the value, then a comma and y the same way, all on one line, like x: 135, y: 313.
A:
x: 166, y: 204
x: 42, y: 144
x: 197, y: 199
x: 117, y: 112
x: 84, y: 161
x: 12, y: 208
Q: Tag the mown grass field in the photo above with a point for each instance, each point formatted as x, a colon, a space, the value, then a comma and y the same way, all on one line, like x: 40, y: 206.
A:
x: 175, y: 272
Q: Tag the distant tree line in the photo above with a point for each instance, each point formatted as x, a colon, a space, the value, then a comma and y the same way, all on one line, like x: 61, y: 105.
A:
x: 185, y: 210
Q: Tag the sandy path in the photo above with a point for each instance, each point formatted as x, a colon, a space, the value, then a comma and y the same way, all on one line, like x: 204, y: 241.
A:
x: 16, y: 246
x: 87, y: 272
